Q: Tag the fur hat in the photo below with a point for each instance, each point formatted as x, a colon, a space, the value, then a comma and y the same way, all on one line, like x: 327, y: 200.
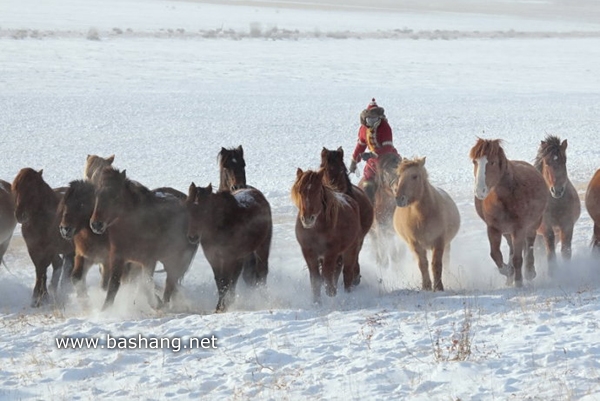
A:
x: 372, y: 110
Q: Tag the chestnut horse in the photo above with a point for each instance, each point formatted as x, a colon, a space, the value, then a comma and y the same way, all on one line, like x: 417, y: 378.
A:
x: 564, y: 206
x: 328, y: 231
x: 592, y: 204
x: 230, y: 226
x: 384, y: 207
x: 336, y: 175
x: 510, y: 197
x: 232, y: 169
x: 36, y: 209
x: 142, y: 228
x: 7, y: 217
x: 426, y: 217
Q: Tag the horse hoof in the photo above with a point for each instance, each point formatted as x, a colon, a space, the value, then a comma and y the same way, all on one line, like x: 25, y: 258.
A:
x: 531, y: 274
x: 507, y: 270
x: 356, y: 281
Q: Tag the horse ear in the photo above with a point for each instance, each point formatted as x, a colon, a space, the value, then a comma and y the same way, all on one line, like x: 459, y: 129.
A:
x: 241, y: 150
x: 341, y: 151
x: 110, y: 159
x: 323, y: 152
x: 41, y: 171
x: 564, y: 145
x: 422, y: 161
x: 124, y: 173
x: 192, y: 190
x: 223, y: 149
x: 209, y: 187
x: 299, y: 172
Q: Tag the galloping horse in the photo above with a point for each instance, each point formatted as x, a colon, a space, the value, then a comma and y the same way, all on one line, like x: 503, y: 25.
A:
x: 232, y: 169
x: 142, y: 228
x: 7, y: 217
x: 564, y: 206
x: 510, y: 197
x: 384, y: 207
x: 328, y: 231
x: 94, y: 165
x: 231, y: 226
x: 36, y: 209
x: 592, y: 204
x: 426, y: 217
x: 336, y: 175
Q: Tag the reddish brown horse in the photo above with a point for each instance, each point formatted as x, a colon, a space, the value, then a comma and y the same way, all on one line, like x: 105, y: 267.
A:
x: 328, y: 231
x: 384, y: 207
x: 336, y: 175
x: 231, y: 226
x: 510, y: 197
x: 426, y: 218
x: 7, y: 217
x: 232, y: 169
x: 564, y: 206
x: 142, y: 228
x: 592, y: 204
x: 36, y: 209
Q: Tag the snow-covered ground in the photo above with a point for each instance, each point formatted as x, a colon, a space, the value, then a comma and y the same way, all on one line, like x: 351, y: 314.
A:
x: 164, y: 85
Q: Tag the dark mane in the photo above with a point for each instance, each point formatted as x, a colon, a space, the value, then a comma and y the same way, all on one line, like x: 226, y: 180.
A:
x: 327, y: 157
x: 487, y: 147
x: 34, y: 191
x: 113, y: 180
x: 550, y: 146
x: 331, y: 204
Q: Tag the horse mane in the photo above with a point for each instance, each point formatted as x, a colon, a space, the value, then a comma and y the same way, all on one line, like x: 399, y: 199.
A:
x: 405, y: 164
x: 345, y: 177
x: 329, y: 198
x: 551, y: 145
x: 79, y: 186
x: 39, y: 196
x: 491, y: 148
x: 112, y: 177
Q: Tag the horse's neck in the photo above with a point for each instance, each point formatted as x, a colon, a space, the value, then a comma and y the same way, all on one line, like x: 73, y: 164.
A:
x: 341, y: 183
x: 223, y: 183
x: 427, y: 197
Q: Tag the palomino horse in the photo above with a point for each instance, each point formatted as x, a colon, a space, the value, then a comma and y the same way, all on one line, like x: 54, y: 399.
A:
x: 328, y: 231
x: 94, y: 166
x: 384, y: 207
x: 592, y: 204
x: 142, y: 228
x: 510, y: 197
x: 231, y: 226
x: 564, y: 206
x: 336, y: 175
x: 36, y: 209
x: 7, y: 217
x: 232, y: 169
x: 426, y: 217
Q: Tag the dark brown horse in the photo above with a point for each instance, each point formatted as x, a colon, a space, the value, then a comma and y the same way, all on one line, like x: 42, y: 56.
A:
x: 592, y: 204
x: 564, y: 206
x: 510, y: 197
x: 230, y: 226
x: 36, y: 209
x: 336, y: 175
x: 142, y: 228
x: 384, y: 207
x: 427, y: 218
x: 328, y: 231
x: 7, y: 217
x: 232, y: 169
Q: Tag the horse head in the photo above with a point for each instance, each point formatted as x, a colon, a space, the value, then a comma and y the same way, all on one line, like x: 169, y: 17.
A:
x: 198, y: 206
x: 94, y: 166
x: 411, y: 179
x: 489, y: 165
x: 308, y: 196
x: 29, y: 192
x: 76, y: 208
x: 551, y: 162
x: 233, y: 169
x: 336, y: 173
x: 110, y: 199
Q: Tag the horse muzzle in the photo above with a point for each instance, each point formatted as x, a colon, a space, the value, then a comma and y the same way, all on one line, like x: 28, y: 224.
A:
x: 67, y: 232
x: 308, y: 222
x: 557, y: 192
x: 481, y: 193
x: 402, y: 201
x: 193, y: 239
x: 98, y: 227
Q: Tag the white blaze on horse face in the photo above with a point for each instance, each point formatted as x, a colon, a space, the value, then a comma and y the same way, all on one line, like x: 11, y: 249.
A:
x: 481, y: 189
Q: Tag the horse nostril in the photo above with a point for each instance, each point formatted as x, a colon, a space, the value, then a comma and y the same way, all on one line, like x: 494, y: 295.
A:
x: 193, y: 239
x: 97, y: 227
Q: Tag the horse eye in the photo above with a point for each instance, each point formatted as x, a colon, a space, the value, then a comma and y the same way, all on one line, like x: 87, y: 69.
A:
x: 414, y: 177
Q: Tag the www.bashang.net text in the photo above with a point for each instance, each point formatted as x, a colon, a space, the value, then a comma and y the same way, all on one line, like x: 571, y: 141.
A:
x: 174, y: 344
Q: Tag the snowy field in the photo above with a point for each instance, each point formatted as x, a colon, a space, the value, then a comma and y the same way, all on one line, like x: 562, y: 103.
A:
x: 164, y: 85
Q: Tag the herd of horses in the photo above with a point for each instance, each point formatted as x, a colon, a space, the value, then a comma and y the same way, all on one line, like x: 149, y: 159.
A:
x: 126, y: 228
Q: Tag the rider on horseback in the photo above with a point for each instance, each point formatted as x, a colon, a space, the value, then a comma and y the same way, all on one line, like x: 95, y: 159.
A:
x: 376, y: 134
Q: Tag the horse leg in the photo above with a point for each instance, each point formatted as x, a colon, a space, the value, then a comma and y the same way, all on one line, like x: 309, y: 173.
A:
x: 67, y: 269
x: 495, y: 240
x: 226, y: 278
x: 421, y: 255
x: 331, y: 271
x: 596, y: 239
x: 518, y: 240
x: 40, y: 292
x: 351, y: 268
x: 249, y: 270
x: 80, y: 269
x: 261, y: 262
x: 57, y: 265
x: 530, y: 273
x: 117, y: 264
x: 566, y: 237
x: 437, y: 265
x: 316, y: 280
x: 550, y: 242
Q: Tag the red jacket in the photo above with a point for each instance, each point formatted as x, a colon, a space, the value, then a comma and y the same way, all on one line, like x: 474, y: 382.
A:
x: 378, y: 142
